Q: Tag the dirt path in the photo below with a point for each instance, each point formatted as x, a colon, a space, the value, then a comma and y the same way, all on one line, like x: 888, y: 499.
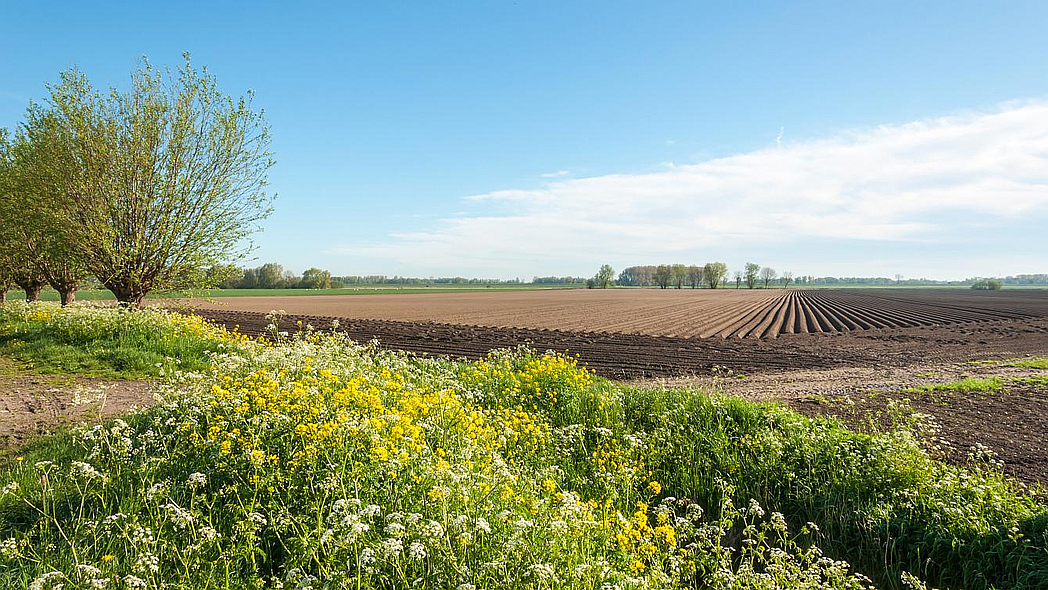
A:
x: 31, y: 405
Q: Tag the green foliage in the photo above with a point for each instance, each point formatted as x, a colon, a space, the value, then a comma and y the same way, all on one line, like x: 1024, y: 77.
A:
x: 205, y: 155
x: 713, y: 273
x: 968, y: 384
x: 663, y: 275
x: 604, y: 277
x: 752, y: 270
x: 1030, y: 363
x: 109, y: 342
x: 880, y: 501
x: 315, y: 278
x: 986, y: 285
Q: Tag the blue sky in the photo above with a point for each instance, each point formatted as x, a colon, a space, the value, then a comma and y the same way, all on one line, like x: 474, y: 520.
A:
x: 504, y: 139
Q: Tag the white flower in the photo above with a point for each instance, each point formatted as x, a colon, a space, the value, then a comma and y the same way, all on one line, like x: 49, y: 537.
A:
x: 197, y: 480
x: 778, y: 522
x: 391, y: 548
x: 44, y: 581
x: 179, y: 517
x: 134, y: 582
x: 417, y: 551
x: 8, y: 548
x: 755, y: 508
x: 432, y: 529
x: 88, y: 570
x: 542, y: 571
x: 141, y: 536
x: 147, y: 563
x: 256, y: 518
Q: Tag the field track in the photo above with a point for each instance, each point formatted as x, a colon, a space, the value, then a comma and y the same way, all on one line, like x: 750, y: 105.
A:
x: 727, y: 313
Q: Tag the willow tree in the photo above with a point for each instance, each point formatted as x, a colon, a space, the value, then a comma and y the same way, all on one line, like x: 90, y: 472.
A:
x: 42, y: 173
x: 171, y: 178
x: 17, y: 253
x: 7, y: 265
x: 713, y: 273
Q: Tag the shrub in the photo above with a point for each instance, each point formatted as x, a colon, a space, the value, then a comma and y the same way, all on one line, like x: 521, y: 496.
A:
x: 987, y: 285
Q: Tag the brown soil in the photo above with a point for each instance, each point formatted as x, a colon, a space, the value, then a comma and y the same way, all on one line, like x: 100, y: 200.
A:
x: 684, y: 313
x: 635, y: 356
x: 31, y: 405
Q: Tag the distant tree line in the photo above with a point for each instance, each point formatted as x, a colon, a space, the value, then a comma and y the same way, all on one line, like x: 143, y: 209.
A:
x: 558, y: 281
x: 710, y: 276
x: 678, y: 276
x: 1016, y: 280
x: 273, y: 276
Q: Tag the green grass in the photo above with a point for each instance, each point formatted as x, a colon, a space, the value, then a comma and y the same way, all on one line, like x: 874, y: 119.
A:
x: 1029, y: 363
x: 968, y: 384
x: 539, y: 474
x: 101, y: 342
x: 1036, y: 380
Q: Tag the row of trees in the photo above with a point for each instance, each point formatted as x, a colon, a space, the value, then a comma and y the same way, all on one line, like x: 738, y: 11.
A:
x: 149, y: 188
x: 272, y: 276
x: 710, y: 275
x: 756, y: 275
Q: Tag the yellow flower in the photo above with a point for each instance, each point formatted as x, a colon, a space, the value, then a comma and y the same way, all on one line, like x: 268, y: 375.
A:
x: 107, y: 558
x: 666, y: 534
x: 549, y: 485
x: 654, y: 488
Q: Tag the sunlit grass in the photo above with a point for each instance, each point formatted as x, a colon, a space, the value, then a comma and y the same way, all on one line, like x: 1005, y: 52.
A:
x: 968, y: 384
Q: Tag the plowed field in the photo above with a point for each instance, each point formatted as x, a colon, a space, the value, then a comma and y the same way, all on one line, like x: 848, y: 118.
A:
x: 629, y: 334
x: 682, y: 313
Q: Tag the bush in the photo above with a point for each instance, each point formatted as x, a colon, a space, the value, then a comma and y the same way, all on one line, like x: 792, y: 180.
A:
x: 987, y: 285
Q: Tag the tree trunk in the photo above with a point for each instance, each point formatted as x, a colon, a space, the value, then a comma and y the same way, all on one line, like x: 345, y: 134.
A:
x: 3, y: 295
x: 31, y: 285
x: 68, y: 294
x: 66, y: 289
x: 128, y: 295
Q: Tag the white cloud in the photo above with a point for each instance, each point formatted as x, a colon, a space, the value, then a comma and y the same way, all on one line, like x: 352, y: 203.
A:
x: 557, y: 174
x: 917, y: 182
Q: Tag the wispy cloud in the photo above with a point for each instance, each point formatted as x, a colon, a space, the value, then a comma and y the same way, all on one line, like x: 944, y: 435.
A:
x: 914, y: 182
x: 557, y: 174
